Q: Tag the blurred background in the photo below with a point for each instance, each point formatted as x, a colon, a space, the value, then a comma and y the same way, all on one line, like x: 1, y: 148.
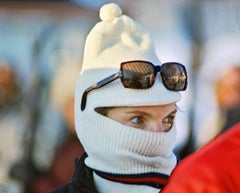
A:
x: 41, y: 47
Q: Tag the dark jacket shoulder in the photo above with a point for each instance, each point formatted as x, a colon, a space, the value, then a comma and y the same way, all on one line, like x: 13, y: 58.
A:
x: 82, y: 181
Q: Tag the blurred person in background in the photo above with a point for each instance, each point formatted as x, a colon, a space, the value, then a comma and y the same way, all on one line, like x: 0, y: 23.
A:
x: 62, y: 98
x: 217, y: 103
x: 227, y: 92
x: 12, y: 121
x: 10, y: 90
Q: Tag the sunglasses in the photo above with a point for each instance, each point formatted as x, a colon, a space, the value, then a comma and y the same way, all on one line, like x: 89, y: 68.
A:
x: 142, y: 74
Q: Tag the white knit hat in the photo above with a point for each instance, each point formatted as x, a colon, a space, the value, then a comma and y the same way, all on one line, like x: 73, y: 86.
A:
x: 117, y: 38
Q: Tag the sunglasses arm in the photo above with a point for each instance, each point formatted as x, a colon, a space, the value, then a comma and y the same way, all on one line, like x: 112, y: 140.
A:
x: 98, y: 85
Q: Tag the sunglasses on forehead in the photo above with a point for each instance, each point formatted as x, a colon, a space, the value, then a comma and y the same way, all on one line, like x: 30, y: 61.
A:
x: 142, y: 75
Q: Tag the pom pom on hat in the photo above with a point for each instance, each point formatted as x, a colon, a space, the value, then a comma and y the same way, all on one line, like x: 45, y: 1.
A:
x: 109, y: 12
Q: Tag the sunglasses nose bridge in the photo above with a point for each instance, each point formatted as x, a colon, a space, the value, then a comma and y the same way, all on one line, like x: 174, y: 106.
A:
x: 157, y: 69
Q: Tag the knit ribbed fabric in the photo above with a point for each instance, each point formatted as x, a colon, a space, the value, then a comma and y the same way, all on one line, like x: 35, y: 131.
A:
x: 118, y: 149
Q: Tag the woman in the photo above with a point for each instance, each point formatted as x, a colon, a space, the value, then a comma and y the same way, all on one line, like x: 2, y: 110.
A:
x: 125, y: 105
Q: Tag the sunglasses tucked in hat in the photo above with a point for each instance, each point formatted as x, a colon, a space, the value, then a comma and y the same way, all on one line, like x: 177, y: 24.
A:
x: 115, y: 40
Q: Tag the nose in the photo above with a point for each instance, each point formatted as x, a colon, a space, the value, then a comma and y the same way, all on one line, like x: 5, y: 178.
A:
x: 156, y: 126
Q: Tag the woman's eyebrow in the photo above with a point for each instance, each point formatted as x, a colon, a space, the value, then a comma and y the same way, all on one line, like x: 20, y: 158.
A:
x: 173, y: 112
x: 137, y: 112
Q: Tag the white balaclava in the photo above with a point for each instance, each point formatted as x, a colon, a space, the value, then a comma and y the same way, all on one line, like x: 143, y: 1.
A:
x: 124, y: 159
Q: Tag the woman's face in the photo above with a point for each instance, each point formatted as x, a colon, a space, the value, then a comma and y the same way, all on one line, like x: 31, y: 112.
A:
x: 153, y: 118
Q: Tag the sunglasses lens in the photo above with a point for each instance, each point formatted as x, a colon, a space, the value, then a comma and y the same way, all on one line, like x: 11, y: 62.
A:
x: 174, y: 76
x: 137, y: 75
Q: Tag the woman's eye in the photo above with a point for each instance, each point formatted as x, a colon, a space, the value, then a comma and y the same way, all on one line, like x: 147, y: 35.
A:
x: 136, y: 120
x: 168, y: 122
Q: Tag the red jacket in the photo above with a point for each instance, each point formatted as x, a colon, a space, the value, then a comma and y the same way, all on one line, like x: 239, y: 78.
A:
x: 213, y: 169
